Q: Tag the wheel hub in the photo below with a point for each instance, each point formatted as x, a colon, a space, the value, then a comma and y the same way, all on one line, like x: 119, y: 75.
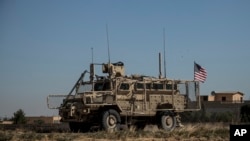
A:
x: 111, y: 121
x: 169, y: 121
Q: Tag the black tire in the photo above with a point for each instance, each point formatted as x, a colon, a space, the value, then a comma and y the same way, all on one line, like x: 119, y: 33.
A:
x: 74, y: 127
x: 77, y: 127
x: 167, y: 121
x: 111, y: 120
x: 85, y: 127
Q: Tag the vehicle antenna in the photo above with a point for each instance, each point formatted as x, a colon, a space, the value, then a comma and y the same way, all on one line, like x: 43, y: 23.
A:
x: 108, y: 41
x: 160, y: 76
x: 164, y: 53
x: 92, y: 55
x: 92, y: 70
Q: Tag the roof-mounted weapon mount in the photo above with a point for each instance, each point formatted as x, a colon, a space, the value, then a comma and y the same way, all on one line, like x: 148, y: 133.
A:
x: 114, y: 69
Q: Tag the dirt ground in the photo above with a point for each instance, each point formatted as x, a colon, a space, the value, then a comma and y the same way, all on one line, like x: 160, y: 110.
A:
x: 190, y: 132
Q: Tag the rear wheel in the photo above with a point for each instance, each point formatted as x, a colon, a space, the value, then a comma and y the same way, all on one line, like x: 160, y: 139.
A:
x: 111, y: 120
x: 167, y: 121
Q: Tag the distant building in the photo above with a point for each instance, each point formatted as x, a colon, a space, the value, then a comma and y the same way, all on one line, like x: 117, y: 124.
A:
x: 6, y: 122
x: 43, y: 120
x: 224, y: 97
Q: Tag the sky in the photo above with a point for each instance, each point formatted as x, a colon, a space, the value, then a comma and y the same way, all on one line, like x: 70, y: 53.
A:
x: 45, y: 45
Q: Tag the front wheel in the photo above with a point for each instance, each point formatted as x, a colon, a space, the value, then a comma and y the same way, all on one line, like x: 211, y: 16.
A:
x: 79, y: 127
x: 167, y: 121
x: 111, y: 120
x: 74, y: 127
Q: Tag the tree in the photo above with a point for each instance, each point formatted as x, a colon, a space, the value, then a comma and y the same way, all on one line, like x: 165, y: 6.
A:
x: 19, y: 117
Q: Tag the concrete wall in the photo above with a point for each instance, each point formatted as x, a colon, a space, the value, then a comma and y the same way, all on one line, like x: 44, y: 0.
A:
x: 47, y: 120
x: 217, y: 106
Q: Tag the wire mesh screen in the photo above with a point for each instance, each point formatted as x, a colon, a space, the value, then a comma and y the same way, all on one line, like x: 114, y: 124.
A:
x: 193, y: 95
x: 182, y: 88
x: 54, y: 101
x: 190, y: 90
x: 85, y: 88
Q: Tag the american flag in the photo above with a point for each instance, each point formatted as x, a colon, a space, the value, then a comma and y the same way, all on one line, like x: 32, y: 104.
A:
x: 200, y: 74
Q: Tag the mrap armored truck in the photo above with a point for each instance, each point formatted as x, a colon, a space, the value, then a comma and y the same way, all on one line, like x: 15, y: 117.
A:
x: 111, y: 100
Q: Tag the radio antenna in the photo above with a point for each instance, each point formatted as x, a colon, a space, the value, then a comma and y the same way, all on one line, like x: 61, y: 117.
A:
x: 164, y: 53
x: 108, y: 41
x: 92, y: 55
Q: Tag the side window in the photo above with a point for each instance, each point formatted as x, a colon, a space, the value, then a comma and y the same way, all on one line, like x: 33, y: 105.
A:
x: 102, y: 86
x: 106, y: 86
x: 98, y: 86
x: 139, y: 86
x: 124, y: 86
x: 223, y: 98
x: 205, y: 98
x: 169, y: 86
x: 158, y: 86
x: 148, y: 85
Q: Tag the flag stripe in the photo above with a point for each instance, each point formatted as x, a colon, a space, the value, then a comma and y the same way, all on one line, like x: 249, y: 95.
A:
x: 200, y: 74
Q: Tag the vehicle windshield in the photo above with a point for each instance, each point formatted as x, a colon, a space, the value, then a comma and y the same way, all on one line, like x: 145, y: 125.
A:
x: 86, y: 87
x: 102, y: 86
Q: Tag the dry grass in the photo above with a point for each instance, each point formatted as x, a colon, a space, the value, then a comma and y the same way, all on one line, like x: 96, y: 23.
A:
x: 190, y: 132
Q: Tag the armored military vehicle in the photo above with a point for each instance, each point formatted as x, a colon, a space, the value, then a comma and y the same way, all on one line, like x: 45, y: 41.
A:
x: 113, y: 99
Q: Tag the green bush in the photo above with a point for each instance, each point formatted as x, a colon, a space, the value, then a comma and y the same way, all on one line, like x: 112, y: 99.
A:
x: 245, y: 113
x: 19, y: 117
